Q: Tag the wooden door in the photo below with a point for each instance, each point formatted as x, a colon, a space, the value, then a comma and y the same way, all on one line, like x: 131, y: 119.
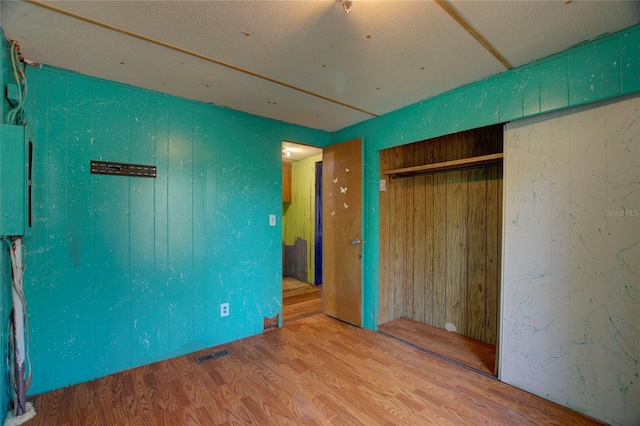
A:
x: 342, y: 245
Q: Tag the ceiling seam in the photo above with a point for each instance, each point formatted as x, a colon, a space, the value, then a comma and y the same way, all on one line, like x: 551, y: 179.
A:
x: 195, y: 54
x: 453, y: 12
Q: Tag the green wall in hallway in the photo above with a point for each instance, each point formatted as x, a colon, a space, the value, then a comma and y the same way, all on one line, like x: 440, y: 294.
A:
x: 300, y: 214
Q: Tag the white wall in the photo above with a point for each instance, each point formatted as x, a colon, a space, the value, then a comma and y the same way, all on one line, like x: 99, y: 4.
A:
x: 571, y: 263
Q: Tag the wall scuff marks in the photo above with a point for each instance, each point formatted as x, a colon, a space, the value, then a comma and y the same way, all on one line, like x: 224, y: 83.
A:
x: 128, y: 271
x: 571, y: 328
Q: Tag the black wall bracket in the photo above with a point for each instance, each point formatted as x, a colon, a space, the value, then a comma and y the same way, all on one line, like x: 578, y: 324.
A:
x: 122, y: 169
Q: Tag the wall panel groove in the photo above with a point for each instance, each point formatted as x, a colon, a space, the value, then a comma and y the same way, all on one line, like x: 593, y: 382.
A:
x: 125, y: 271
x: 442, y: 236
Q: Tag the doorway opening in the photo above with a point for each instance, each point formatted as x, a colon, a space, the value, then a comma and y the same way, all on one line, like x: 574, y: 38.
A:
x: 301, y: 231
x: 440, y: 245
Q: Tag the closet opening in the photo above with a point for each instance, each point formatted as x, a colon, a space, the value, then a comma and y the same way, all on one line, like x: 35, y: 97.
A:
x: 440, y: 245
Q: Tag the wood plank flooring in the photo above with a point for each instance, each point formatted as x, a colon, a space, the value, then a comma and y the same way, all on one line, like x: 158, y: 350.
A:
x: 299, y: 299
x: 473, y: 353
x: 313, y: 371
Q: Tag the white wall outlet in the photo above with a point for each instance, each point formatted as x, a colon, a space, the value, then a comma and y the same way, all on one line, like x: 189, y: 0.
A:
x: 272, y: 220
x: 224, y: 309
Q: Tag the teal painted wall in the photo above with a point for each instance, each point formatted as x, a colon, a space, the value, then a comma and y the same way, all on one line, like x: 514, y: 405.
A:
x: 597, y: 70
x: 123, y: 271
x: 127, y: 271
x: 5, y: 262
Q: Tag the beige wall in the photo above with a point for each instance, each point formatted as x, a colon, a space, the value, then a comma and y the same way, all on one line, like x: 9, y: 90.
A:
x: 571, y: 288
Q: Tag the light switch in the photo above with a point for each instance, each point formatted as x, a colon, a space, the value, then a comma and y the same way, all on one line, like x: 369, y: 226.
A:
x: 272, y: 220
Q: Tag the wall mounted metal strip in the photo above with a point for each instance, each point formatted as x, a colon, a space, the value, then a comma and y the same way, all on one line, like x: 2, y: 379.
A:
x: 122, y: 169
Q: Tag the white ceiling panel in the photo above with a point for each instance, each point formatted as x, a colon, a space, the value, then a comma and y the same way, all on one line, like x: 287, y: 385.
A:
x: 383, y: 56
x: 525, y: 31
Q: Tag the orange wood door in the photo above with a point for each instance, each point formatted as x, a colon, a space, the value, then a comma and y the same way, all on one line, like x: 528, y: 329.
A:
x: 342, y: 229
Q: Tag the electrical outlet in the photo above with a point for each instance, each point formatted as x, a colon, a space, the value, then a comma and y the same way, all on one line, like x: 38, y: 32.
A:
x: 224, y: 309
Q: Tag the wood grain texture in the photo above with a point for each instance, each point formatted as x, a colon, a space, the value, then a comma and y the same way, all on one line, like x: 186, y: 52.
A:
x: 313, y: 371
x: 342, y: 224
x: 398, y: 223
x: 287, y: 184
x: 473, y: 353
x: 428, y: 259
x: 477, y: 257
x: 457, y: 249
x: 409, y: 244
x: 300, y: 299
x: 385, y: 213
x: 471, y: 162
x: 294, y: 262
x: 420, y: 265
x: 441, y: 243
x: 494, y: 237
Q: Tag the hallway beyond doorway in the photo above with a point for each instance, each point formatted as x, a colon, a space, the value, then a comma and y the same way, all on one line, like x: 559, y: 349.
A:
x: 300, y: 299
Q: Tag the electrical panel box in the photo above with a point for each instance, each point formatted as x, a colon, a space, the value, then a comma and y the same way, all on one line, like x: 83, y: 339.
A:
x: 12, y: 180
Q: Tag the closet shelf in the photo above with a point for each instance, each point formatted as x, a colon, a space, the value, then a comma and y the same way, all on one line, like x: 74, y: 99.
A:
x: 463, y: 163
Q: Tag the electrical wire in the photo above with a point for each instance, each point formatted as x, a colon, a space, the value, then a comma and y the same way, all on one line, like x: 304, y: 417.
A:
x: 12, y: 112
x: 16, y: 116
x: 21, y: 82
x: 18, y: 286
x: 23, y: 298
x: 26, y: 317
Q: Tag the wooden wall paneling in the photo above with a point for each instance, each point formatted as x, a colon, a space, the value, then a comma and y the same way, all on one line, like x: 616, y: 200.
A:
x: 493, y: 263
x: 392, y: 283
x: 494, y: 237
x: 407, y: 297
x: 385, y: 211
x: 419, y: 235
x: 477, y: 207
x: 456, y: 255
x: 398, y: 223
x: 287, y: 186
x: 440, y: 241
x: 295, y: 260
x: 498, y: 251
x: 430, y: 226
x: 439, y: 250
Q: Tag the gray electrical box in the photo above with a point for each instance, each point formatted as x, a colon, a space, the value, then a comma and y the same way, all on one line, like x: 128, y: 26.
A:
x: 12, y: 180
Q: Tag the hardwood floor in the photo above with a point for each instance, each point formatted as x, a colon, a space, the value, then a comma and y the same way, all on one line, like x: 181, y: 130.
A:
x: 313, y: 371
x: 299, y: 300
x: 472, y: 353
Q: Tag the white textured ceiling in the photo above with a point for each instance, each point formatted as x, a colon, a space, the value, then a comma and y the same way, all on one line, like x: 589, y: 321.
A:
x: 298, y: 151
x: 381, y: 57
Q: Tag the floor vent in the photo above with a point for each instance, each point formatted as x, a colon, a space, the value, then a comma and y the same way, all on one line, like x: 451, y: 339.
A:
x: 213, y: 355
